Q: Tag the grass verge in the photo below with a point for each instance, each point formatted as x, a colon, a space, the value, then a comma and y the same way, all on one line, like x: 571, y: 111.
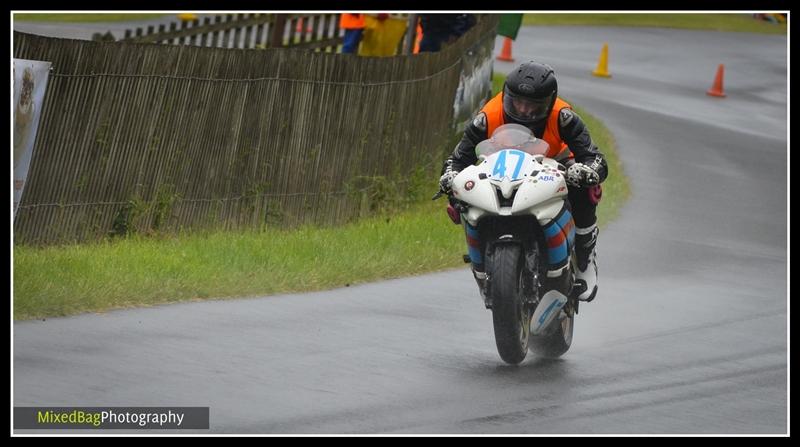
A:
x: 141, y: 271
x: 737, y: 22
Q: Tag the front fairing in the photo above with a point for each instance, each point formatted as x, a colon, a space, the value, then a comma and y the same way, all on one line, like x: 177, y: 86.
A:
x: 513, y: 177
x: 509, y: 183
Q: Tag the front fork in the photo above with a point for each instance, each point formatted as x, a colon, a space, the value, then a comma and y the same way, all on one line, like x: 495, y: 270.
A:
x: 536, y: 280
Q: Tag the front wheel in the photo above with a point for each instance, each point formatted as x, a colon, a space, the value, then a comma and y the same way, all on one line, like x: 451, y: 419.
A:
x: 511, y: 317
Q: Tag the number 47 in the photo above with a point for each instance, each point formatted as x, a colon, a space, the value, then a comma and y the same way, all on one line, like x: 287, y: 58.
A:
x: 499, y: 170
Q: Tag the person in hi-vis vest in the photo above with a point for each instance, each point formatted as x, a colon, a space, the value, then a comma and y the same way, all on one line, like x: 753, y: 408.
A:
x: 353, y: 26
x: 530, y: 98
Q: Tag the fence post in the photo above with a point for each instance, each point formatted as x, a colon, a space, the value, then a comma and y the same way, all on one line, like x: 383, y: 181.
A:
x: 411, y: 34
x: 276, y: 33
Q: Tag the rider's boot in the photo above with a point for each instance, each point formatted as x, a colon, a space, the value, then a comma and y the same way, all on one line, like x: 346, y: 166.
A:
x: 586, y: 274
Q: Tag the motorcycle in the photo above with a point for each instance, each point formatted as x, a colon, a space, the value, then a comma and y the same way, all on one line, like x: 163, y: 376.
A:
x: 514, y: 207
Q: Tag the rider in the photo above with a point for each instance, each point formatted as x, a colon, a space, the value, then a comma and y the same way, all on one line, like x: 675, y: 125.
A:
x: 529, y: 98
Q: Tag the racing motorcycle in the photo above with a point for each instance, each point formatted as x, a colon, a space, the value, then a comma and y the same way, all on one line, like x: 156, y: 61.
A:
x: 518, y: 223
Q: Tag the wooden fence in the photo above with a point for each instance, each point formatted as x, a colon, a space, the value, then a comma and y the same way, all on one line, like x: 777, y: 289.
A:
x: 308, y: 31
x: 167, y: 137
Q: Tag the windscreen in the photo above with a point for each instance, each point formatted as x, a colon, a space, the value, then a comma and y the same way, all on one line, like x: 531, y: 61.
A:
x: 512, y: 136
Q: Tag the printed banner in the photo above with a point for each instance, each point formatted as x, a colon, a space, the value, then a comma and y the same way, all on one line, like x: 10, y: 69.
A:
x: 475, y: 83
x: 30, y: 81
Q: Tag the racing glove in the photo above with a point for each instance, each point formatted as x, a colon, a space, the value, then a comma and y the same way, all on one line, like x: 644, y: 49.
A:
x: 582, y: 176
x: 446, y: 181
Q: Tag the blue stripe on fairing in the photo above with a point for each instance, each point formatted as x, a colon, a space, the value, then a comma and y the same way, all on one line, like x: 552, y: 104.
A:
x: 557, y: 255
x: 472, y: 231
x: 563, y: 222
x: 474, y: 252
x: 475, y: 255
x: 551, y: 229
x: 571, y: 236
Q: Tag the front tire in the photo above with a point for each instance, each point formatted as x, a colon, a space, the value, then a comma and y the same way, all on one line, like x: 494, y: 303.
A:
x: 511, y: 317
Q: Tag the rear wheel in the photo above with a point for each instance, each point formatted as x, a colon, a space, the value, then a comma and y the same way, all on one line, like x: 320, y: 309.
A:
x: 511, y: 317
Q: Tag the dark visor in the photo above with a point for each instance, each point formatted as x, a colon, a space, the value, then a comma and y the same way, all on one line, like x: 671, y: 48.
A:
x: 526, y: 110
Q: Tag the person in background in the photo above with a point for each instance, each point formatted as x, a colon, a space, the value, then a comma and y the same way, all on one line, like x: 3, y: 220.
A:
x: 353, y: 26
x: 438, y: 29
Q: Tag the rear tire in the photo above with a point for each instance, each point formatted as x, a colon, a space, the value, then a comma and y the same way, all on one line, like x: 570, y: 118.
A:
x: 510, y: 316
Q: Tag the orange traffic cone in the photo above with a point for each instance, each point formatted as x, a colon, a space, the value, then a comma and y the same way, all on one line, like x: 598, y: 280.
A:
x: 602, y: 64
x: 505, y: 55
x: 716, y: 89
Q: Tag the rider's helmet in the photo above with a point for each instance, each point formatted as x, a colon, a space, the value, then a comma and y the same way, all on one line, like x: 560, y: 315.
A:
x: 529, y: 93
